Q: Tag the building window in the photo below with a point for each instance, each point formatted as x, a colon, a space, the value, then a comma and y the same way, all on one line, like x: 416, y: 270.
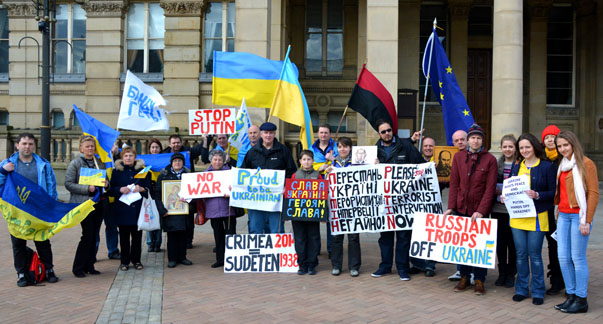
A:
x: 3, y: 41
x: 144, y: 38
x: 70, y: 28
x: 428, y: 13
x: 218, y: 31
x: 560, y: 57
x: 324, y: 38
x: 73, y: 119
x: 480, y: 21
x: 58, y: 119
x: 3, y: 117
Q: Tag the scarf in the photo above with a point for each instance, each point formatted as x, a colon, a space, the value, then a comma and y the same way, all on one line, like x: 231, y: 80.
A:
x: 570, y: 165
x: 177, y: 173
x: 551, y: 154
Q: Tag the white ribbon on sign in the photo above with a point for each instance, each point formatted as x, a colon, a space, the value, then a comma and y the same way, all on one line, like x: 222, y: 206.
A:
x: 139, y: 109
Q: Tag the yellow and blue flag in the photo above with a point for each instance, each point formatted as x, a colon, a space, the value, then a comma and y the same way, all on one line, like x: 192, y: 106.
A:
x: 93, y: 177
x: 143, y: 173
x: 104, y: 135
x: 436, y: 67
x: 290, y: 103
x: 156, y: 162
x: 239, y: 75
x: 31, y: 214
x: 239, y: 140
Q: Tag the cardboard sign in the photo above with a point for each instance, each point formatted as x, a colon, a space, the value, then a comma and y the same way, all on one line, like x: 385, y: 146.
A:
x: 92, y: 177
x: 364, y: 154
x: 260, y: 253
x: 382, y: 197
x: 205, y: 184
x: 211, y: 121
x: 454, y: 239
x: 517, y: 201
x: 306, y: 200
x: 257, y: 189
x: 442, y: 156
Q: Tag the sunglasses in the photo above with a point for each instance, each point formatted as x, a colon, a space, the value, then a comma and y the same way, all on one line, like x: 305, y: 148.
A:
x: 385, y: 131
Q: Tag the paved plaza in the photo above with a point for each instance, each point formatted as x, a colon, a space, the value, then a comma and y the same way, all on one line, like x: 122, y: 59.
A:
x: 200, y: 294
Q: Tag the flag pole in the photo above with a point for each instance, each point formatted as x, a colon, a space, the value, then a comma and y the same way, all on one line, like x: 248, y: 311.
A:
x: 435, y: 25
x: 341, y: 122
x: 278, y: 86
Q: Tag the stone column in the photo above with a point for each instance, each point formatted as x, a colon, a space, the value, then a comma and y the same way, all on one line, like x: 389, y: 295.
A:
x: 539, y: 12
x: 382, y: 49
x: 507, y: 70
x: 409, y: 29
x: 459, y: 39
x: 182, y: 57
x: 104, y: 57
x: 586, y: 76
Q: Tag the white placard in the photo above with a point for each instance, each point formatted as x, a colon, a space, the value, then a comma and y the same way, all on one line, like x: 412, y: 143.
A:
x: 211, y: 121
x: 205, y: 184
x: 364, y: 155
x: 257, y: 189
x: 516, y: 200
x: 260, y: 253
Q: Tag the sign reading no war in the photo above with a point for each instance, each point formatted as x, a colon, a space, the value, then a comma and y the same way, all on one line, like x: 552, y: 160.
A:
x: 257, y: 189
x: 205, y: 184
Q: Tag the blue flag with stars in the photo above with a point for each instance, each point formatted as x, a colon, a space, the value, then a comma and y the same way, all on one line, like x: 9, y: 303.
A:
x: 443, y: 82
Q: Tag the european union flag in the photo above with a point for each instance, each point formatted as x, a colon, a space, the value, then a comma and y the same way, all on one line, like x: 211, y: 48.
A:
x: 436, y: 67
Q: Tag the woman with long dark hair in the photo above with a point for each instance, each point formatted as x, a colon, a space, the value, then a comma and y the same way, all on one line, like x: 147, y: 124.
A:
x: 154, y: 239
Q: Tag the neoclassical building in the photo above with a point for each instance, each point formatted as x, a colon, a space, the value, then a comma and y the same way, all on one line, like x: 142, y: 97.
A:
x: 521, y: 64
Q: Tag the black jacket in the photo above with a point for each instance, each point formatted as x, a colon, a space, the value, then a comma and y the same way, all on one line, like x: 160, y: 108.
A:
x: 196, y: 151
x: 403, y: 152
x: 277, y: 158
x: 122, y: 176
x: 170, y: 223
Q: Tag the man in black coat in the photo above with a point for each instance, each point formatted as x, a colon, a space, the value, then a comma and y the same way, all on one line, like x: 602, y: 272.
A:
x: 268, y: 154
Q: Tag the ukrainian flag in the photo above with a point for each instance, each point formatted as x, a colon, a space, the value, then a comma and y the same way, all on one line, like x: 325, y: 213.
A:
x: 143, y: 173
x: 104, y: 135
x: 31, y: 214
x: 290, y: 103
x: 156, y: 162
x: 239, y: 75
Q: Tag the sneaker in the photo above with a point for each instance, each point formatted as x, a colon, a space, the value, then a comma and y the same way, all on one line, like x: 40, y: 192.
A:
x: 404, y: 276
x: 302, y: 272
x: 462, y: 285
x: 22, y: 282
x: 429, y: 273
x: 354, y: 273
x: 455, y: 276
x: 380, y: 273
x: 472, y: 280
x: 335, y: 272
x: 51, y: 277
x: 312, y: 271
x: 479, y: 289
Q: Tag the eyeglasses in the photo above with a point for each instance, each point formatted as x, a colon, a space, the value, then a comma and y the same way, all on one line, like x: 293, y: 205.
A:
x: 385, y: 131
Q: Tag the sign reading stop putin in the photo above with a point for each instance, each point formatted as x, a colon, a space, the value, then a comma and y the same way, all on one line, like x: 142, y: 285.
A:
x: 211, y: 121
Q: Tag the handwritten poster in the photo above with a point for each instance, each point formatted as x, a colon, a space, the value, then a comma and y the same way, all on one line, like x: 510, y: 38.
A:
x: 306, y: 200
x: 260, y: 253
x: 205, y: 184
x: 257, y: 189
x: 517, y: 201
x: 211, y: 121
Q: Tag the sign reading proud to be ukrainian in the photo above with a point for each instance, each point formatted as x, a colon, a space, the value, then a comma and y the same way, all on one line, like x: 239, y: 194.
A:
x: 454, y: 239
x: 31, y: 214
x: 92, y: 177
x: 257, y: 189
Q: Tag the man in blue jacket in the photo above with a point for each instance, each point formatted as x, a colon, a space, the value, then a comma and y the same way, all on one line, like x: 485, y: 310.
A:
x: 38, y: 170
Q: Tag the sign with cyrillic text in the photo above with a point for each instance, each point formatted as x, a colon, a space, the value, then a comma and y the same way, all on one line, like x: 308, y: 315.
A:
x: 517, y: 201
x: 257, y: 189
x: 139, y: 109
x: 260, y: 253
x: 211, y: 121
x: 382, y: 197
x: 306, y: 200
x: 205, y: 184
x: 454, y: 239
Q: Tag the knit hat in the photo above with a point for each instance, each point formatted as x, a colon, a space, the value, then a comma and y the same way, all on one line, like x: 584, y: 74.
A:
x: 176, y: 156
x: 550, y: 130
x: 476, y: 129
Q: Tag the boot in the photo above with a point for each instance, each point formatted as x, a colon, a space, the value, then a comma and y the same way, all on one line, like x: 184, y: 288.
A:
x: 566, y: 303
x: 579, y: 305
x: 502, y: 278
x: 557, y: 285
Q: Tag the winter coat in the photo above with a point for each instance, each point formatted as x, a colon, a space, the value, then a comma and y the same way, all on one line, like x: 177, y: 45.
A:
x: 79, y: 193
x: 196, y: 151
x: 276, y: 158
x: 218, y: 207
x: 306, y: 174
x: 122, y: 176
x: 591, y: 191
x: 169, y: 223
x: 46, y: 177
x: 473, y: 183
x: 402, y: 153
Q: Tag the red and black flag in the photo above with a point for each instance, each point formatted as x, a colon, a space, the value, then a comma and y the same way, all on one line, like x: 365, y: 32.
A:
x: 372, y: 100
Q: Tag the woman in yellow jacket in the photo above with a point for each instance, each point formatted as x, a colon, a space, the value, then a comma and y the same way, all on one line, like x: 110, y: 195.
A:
x: 576, y: 198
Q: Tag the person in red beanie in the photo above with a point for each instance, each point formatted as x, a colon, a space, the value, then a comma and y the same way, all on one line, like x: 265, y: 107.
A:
x: 548, y: 139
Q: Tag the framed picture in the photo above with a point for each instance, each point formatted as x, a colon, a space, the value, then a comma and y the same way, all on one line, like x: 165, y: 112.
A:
x: 364, y: 154
x: 443, y: 159
x: 169, y: 196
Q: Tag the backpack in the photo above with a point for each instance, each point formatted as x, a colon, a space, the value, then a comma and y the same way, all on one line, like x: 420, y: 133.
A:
x: 36, y: 271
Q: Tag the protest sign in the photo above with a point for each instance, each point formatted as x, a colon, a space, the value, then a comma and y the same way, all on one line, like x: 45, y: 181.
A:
x: 139, y: 108
x: 454, y: 239
x: 257, y: 189
x: 382, y: 197
x: 364, y: 154
x: 92, y: 177
x: 260, y: 253
x: 306, y: 200
x: 517, y: 201
x: 211, y: 121
x: 205, y: 184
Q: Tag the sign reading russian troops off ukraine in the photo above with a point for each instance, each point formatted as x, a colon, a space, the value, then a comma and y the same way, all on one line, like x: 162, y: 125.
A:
x: 306, y: 200
x: 260, y: 253
x: 454, y: 239
x: 257, y: 189
x: 382, y: 197
x: 211, y: 121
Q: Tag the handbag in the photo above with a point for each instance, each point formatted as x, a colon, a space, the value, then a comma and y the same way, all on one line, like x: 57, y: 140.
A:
x: 200, y: 218
x: 148, y: 218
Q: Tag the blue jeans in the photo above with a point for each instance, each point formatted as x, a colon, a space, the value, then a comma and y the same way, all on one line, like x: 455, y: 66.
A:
x: 154, y: 238
x: 529, y: 244
x: 386, y: 244
x: 571, y: 246
x: 258, y: 218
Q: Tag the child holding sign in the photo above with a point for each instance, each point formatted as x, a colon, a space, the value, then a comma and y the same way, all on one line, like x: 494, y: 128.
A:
x: 306, y: 233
